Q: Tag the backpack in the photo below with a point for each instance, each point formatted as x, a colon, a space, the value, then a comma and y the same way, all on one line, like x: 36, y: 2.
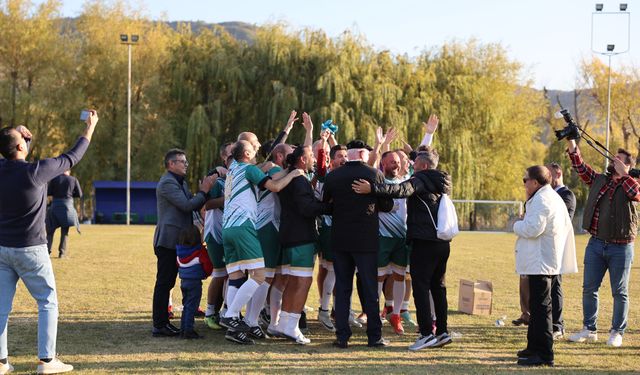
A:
x: 447, y: 226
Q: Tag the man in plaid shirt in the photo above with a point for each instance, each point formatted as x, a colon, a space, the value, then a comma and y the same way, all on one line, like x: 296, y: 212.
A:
x: 611, y: 217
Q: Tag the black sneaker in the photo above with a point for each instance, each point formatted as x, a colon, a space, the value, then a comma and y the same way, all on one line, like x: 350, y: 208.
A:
x: 302, y: 323
x: 164, y: 332
x: 264, y: 318
x: 341, y: 344
x: 190, y: 335
x: 257, y: 332
x: 525, y: 353
x: 534, y: 360
x: 443, y: 339
x: 238, y: 337
x: 381, y: 343
x: 235, y: 324
x: 173, y: 328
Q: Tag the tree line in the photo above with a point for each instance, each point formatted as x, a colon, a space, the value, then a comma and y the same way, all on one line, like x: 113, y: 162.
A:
x: 198, y: 90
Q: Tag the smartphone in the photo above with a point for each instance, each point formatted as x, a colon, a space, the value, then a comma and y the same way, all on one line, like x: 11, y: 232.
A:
x: 84, y: 115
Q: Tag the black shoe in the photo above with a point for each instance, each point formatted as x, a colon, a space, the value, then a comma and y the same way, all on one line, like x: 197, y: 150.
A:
x: 165, y: 331
x: 518, y: 322
x: 257, y: 333
x: 238, y: 337
x: 302, y: 323
x: 264, y: 318
x: 525, y: 353
x: 534, y: 360
x: 341, y: 344
x: 199, y: 313
x: 173, y: 328
x: 189, y: 335
x: 235, y: 324
x: 381, y: 343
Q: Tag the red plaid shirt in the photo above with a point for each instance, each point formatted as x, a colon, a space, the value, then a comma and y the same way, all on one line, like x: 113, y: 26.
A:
x: 588, y: 175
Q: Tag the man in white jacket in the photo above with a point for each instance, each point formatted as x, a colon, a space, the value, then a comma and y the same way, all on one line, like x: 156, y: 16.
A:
x: 545, y: 249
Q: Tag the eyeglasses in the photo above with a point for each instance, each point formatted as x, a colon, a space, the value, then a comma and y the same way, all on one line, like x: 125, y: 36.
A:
x: 186, y: 163
x: 524, y: 180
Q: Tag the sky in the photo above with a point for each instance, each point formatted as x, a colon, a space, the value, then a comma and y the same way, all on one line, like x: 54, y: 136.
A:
x: 550, y: 38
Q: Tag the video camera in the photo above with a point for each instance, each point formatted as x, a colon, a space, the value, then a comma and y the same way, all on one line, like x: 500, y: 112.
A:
x: 572, y: 132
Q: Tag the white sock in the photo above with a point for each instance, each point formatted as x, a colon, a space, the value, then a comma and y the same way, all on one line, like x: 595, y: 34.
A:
x: 241, y: 298
x: 275, y: 303
x: 211, y: 309
x: 405, y: 305
x: 256, y: 304
x: 327, y: 289
x: 282, y: 321
x: 231, y: 294
x: 225, y: 286
x: 380, y: 284
x: 291, y: 328
x: 398, y: 296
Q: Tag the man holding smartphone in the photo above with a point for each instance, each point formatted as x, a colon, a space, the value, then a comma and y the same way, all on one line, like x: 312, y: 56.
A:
x: 23, y: 239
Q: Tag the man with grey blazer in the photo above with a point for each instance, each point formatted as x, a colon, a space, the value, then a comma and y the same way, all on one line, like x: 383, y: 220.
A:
x: 175, y: 206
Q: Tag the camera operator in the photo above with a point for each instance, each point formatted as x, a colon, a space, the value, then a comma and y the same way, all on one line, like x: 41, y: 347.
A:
x: 611, y: 217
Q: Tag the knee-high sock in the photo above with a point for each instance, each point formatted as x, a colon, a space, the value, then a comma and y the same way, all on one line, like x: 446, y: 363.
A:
x: 256, y: 304
x: 243, y: 295
x: 275, y: 304
x: 380, y: 286
x: 231, y: 290
x: 398, y: 295
x: 327, y: 289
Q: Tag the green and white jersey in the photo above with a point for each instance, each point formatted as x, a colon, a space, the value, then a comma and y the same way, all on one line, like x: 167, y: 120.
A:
x: 394, y: 223
x: 213, y: 218
x: 318, y: 192
x: 269, y: 205
x: 240, y: 202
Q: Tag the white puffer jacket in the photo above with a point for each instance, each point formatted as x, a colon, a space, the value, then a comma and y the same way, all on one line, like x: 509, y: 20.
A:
x: 545, y: 245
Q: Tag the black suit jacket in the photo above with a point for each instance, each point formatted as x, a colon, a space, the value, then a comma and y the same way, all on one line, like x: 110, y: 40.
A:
x: 569, y: 200
x: 355, y: 216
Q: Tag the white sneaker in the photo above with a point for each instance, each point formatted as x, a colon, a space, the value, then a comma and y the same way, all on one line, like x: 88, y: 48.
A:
x: 54, y: 367
x: 324, y: 317
x: 584, y: 336
x: 274, y: 330
x: 5, y: 368
x: 615, y: 339
x: 557, y: 335
x: 297, y: 336
x: 423, y: 342
x: 353, y: 321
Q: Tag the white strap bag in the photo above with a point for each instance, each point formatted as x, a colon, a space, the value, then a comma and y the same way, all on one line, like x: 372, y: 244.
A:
x: 447, y: 226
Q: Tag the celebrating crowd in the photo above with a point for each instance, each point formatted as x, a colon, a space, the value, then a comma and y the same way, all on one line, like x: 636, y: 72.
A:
x: 368, y: 212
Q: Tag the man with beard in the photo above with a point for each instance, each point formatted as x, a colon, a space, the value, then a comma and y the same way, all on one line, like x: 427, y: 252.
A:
x: 610, y: 216
x: 298, y: 237
x: 429, y: 254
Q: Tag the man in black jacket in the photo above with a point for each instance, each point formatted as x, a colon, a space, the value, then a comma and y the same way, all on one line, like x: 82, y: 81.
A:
x: 429, y: 254
x: 354, y: 241
x: 298, y: 236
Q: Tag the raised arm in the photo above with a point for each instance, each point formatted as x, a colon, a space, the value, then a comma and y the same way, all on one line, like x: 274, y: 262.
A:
x: 308, y: 127
x: 282, y: 137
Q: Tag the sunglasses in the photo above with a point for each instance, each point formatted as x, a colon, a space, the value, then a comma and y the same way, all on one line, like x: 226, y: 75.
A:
x: 524, y: 180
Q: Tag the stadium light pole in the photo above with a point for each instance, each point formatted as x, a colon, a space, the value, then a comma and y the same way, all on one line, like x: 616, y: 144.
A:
x: 124, y: 39
x: 609, y: 53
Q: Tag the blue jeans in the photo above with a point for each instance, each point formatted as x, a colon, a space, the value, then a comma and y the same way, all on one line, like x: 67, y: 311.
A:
x: 33, y: 265
x: 617, y: 258
x: 191, y: 294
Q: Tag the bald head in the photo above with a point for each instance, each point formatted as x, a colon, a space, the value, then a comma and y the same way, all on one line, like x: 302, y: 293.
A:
x: 243, y: 151
x: 251, y: 138
x: 280, y: 152
x: 361, y: 154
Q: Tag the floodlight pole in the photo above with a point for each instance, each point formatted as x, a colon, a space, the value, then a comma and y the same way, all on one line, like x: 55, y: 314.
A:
x: 124, y: 39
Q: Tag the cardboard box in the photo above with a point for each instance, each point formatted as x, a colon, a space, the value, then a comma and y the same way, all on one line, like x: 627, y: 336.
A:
x: 475, y: 298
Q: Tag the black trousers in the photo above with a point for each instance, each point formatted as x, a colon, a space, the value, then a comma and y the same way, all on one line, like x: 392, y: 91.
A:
x: 165, y: 281
x: 556, y: 303
x: 428, y: 268
x: 344, y: 265
x: 64, y: 235
x: 540, y: 333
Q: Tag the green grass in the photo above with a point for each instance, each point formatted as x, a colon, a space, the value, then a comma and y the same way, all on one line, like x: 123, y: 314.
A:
x: 105, y: 289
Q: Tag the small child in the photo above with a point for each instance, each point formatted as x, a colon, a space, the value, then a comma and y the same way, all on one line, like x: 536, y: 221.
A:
x: 194, y: 265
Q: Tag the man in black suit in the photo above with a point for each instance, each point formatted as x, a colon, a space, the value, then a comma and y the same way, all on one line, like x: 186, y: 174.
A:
x: 556, y: 287
x: 354, y: 240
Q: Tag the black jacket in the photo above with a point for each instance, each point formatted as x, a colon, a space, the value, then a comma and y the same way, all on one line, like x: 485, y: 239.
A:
x: 355, y: 216
x: 569, y: 200
x: 428, y: 185
x: 299, y: 208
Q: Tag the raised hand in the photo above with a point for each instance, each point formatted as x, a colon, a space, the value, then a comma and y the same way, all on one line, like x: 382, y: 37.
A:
x: 431, y: 125
x: 292, y: 120
x: 380, y: 137
x: 391, y: 135
x: 621, y: 168
x: 26, y: 134
x: 306, y: 121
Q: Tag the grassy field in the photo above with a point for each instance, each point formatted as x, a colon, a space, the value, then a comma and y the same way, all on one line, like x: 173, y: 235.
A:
x: 105, y: 288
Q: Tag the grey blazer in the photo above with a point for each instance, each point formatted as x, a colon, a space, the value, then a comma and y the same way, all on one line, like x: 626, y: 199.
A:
x: 175, y: 207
